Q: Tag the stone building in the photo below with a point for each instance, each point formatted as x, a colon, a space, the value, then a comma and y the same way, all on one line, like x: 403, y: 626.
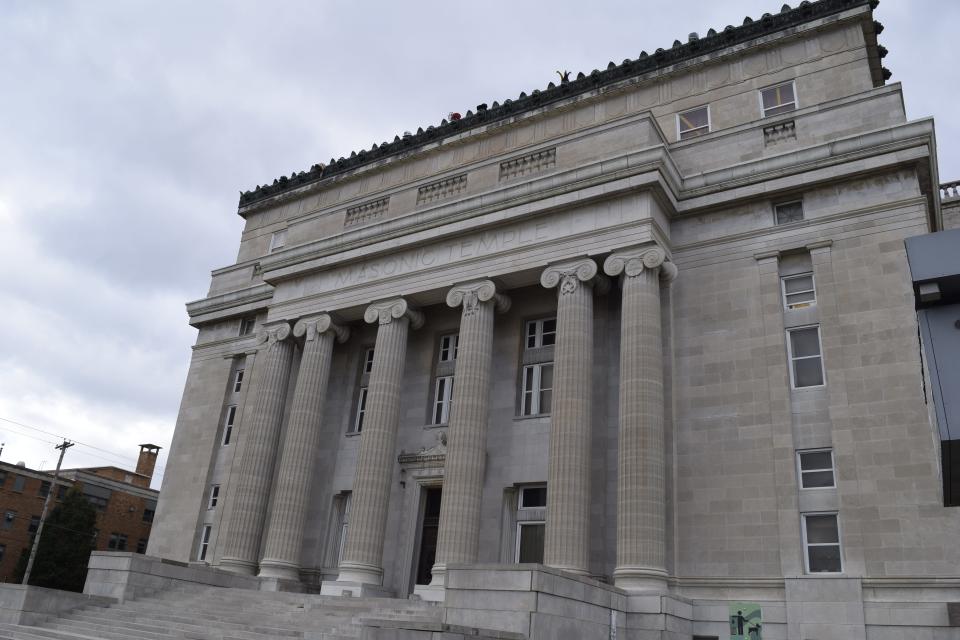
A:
x: 124, y: 501
x: 651, y: 327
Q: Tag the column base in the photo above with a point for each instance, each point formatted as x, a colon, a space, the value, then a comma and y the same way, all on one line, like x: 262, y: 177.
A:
x: 280, y: 569
x: 360, y: 573
x: 238, y: 566
x: 570, y: 569
x: 640, y: 579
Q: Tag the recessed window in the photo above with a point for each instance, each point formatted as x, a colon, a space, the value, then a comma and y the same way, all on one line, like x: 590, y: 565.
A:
x: 278, y: 240
x: 44, y: 488
x: 247, y: 325
x: 537, y: 391
x: 8, y: 519
x: 214, y: 496
x: 541, y: 333
x: 238, y: 381
x: 788, y: 212
x: 806, y: 363
x: 693, y: 123
x: 99, y: 502
x: 530, y: 537
x: 19, y: 482
x: 117, y: 542
x: 361, y: 410
x: 816, y: 469
x: 533, y: 497
x: 148, y: 515
x: 34, y: 524
x: 228, y: 424
x: 778, y: 99
x: 449, y: 346
x: 3, y: 478
x: 798, y: 291
x: 821, y: 541
x: 443, y: 397
x: 142, y: 545
x: 368, y: 361
x: 204, y: 543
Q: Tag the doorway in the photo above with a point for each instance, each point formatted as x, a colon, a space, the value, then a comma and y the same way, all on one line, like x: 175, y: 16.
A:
x: 429, y: 527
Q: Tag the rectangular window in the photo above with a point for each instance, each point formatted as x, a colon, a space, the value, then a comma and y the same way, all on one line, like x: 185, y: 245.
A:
x: 361, y: 409
x: 778, y: 99
x: 44, y: 488
x: 443, y: 398
x: 816, y: 469
x: 142, y: 545
x: 34, y: 524
x: 61, y: 492
x: 798, y: 291
x: 148, y: 515
x: 228, y: 423
x: 693, y: 123
x: 238, y: 381
x: 806, y: 364
x: 277, y: 240
x: 788, y: 212
x: 99, y: 503
x: 530, y: 542
x: 204, y: 543
x: 541, y: 333
x: 448, y: 347
x: 19, y: 482
x: 3, y: 478
x: 368, y: 361
x: 214, y: 496
x: 9, y: 517
x: 533, y: 497
x: 3, y: 551
x: 537, y: 392
x: 247, y: 325
x: 821, y: 540
x: 117, y: 542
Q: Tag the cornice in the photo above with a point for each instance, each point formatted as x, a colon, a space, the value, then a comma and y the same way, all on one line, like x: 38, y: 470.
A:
x: 712, y: 44
x: 229, y: 300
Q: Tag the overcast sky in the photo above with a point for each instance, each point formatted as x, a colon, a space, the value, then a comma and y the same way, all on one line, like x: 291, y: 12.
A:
x: 127, y: 130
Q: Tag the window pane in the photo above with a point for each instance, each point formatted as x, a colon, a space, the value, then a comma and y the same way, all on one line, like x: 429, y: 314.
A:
x: 533, y: 497
x: 816, y: 460
x: 807, y: 372
x: 805, y: 342
x: 531, y: 543
x: 817, y: 479
x: 531, y: 335
x: 789, y: 212
x: 693, y: 123
x: 824, y: 559
x: 546, y: 401
x: 794, y: 299
x: 776, y: 98
x: 549, y: 332
x: 546, y: 376
x: 800, y: 283
x: 822, y: 529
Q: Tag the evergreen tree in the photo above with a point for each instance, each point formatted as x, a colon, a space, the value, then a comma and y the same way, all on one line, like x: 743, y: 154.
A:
x: 65, y: 546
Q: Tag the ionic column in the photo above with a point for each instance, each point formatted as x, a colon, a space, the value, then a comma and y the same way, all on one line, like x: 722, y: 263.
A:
x: 292, y: 491
x: 363, y: 550
x: 260, y: 449
x: 458, y: 537
x: 641, y: 499
x: 567, y: 543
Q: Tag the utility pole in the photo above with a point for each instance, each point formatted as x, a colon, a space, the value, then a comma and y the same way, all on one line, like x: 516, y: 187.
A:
x: 43, y: 515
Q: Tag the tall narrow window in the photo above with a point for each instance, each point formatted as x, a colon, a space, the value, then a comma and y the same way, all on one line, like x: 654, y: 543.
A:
x: 541, y: 333
x: 204, y: 543
x: 693, y: 123
x: 448, y: 347
x: 19, y: 482
x: 443, y: 397
x: 214, y: 496
x: 228, y: 423
x: 798, y: 291
x: 361, y: 410
x: 816, y: 469
x: 368, y: 361
x: 537, y: 393
x: 787, y: 212
x: 821, y: 539
x: 530, y: 535
x: 806, y: 363
x: 278, y: 240
x: 778, y: 99
x: 238, y: 381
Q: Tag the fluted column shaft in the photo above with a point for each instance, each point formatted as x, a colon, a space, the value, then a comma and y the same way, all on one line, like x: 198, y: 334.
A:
x: 299, y: 451
x: 256, y: 465
x: 363, y: 551
x: 567, y: 543
x: 459, y: 533
x: 641, y: 498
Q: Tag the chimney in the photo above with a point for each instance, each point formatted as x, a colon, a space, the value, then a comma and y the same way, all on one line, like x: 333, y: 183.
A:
x: 147, y: 460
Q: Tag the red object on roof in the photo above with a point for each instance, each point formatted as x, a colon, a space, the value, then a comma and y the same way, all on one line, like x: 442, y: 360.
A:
x: 453, y: 115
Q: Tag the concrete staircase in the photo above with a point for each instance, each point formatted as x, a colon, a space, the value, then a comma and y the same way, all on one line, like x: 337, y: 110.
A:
x: 214, y: 613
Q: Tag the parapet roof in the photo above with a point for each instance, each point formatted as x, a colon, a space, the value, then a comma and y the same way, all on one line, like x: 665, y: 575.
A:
x: 645, y: 63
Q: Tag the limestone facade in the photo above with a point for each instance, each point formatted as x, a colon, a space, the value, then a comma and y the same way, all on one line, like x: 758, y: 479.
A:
x: 579, y: 296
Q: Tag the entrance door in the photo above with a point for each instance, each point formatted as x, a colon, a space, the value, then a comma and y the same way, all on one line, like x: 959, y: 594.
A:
x: 428, y: 535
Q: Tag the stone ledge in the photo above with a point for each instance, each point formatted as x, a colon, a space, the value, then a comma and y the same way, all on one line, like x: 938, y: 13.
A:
x: 29, y: 605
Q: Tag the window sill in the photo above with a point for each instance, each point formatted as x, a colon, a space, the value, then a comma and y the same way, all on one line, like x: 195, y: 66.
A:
x: 812, y: 387
x: 436, y: 426
x: 352, y: 434
x: 538, y: 416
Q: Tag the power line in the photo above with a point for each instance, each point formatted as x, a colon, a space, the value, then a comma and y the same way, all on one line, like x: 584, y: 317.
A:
x: 38, y: 439
x: 123, y: 457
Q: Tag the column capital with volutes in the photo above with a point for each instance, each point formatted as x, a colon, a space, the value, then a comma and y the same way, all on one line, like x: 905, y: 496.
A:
x: 635, y: 260
x: 567, y: 276
x: 386, y: 311
x: 470, y: 294
x: 274, y: 332
x: 311, y: 327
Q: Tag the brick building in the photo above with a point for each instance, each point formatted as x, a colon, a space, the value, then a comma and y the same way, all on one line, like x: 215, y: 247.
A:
x: 123, y: 499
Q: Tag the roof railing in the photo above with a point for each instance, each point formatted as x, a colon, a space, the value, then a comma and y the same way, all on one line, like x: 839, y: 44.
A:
x: 949, y: 190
